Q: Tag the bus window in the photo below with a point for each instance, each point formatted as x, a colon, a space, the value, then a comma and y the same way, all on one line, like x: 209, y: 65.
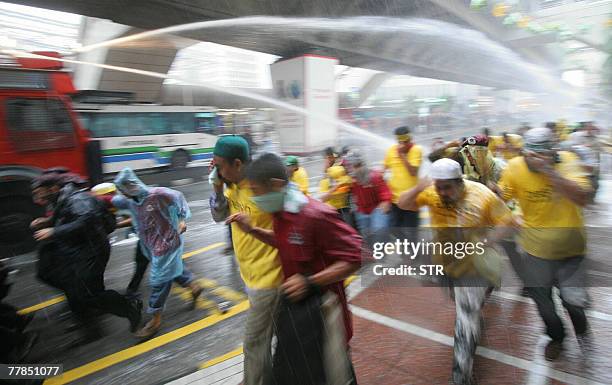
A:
x: 121, y: 125
x: 156, y: 124
x: 206, y: 125
x: 39, y: 124
x: 102, y: 126
x: 180, y: 123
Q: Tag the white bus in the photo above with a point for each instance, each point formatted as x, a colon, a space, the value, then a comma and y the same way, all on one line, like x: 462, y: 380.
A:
x: 149, y: 136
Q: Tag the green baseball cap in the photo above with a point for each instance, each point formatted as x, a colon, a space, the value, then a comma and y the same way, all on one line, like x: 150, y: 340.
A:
x: 291, y: 160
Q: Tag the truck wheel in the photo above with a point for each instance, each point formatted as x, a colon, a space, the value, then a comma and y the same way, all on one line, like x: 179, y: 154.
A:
x: 16, y: 214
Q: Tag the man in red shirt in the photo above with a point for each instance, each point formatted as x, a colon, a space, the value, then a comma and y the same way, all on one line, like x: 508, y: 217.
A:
x: 370, y: 193
x: 317, y: 250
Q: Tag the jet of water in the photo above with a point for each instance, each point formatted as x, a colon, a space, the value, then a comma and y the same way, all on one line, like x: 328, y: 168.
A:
x: 428, y: 45
x: 377, y: 139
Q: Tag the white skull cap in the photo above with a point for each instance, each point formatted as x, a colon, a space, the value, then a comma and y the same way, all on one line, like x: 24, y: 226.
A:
x: 445, y: 169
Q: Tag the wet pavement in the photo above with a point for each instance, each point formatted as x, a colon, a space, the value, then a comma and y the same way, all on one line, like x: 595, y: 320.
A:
x: 403, y: 335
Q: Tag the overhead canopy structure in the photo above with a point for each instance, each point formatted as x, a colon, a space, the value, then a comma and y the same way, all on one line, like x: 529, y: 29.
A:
x: 428, y: 38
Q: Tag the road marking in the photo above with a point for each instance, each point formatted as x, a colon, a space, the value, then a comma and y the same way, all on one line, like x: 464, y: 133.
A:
x: 514, y: 297
x: 532, y: 367
x: 225, y: 357
x: 203, y: 249
x: 134, y: 351
x: 221, y: 291
x: 182, y: 182
x: 42, y: 305
x: 349, y: 280
x: 61, y: 298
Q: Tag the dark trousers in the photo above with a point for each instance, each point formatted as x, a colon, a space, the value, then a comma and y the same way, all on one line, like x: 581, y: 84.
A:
x: 546, y: 307
x: 88, y: 297
x: 10, y: 340
x: 9, y: 317
x: 568, y: 274
x: 10, y: 335
x: 403, y: 218
x: 142, y: 263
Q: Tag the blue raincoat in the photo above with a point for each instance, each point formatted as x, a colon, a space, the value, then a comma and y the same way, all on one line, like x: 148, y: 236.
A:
x: 157, y: 212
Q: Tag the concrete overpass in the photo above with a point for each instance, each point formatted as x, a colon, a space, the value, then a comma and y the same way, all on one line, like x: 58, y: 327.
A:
x: 369, y: 41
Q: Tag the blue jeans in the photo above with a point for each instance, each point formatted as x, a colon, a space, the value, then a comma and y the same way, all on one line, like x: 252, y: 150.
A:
x: 159, y: 293
x: 370, y: 223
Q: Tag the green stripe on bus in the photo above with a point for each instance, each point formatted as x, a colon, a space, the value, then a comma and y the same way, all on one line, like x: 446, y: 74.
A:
x: 130, y: 150
x: 201, y: 150
x: 167, y: 154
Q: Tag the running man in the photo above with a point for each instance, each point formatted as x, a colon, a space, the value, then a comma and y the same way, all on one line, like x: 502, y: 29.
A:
x: 159, y: 214
x: 317, y: 252
x: 75, y: 251
x: 297, y: 174
x: 551, y: 189
x: 371, y: 193
x: 258, y: 262
x: 457, y: 203
x: 403, y: 160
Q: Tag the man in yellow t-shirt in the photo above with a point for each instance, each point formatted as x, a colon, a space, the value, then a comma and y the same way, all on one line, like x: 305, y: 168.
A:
x: 335, y: 189
x: 460, y: 211
x: 403, y: 160
x: 297, y: 174
x: 551, y: 188
x: 507, y: 145
x: 259, y: 264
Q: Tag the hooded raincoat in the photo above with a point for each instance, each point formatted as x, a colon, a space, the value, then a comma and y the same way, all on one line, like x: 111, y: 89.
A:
x: 157, y: 212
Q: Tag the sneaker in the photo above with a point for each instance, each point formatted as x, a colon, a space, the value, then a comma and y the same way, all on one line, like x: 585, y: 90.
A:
x: 224, y: 306
x: 136, y: 316
x: 553, y: 350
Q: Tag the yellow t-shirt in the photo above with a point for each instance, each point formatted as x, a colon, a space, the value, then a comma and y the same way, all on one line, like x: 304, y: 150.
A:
x: 339, y: 199
x: 259, y: 264
x: 480, y: 207
x: 553, y: 227
x: 300, y: 178
x: 400, y: 179
x: 497, y: 142
x: 467, y: 221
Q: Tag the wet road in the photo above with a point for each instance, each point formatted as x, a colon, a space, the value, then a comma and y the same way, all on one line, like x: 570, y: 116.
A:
x: 190, y: 338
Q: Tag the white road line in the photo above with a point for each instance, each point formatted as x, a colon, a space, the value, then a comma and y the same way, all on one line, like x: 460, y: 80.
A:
x: 181, y: 182
x: 514, y: 297
x: 532, y: 367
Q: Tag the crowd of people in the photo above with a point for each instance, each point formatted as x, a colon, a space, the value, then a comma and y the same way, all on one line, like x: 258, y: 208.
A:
x: 294, y: 249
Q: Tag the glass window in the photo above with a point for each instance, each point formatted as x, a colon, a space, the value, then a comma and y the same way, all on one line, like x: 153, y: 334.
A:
x: 102, y: 126
x: 207, y: 125
x: 156, y: 124
x: 39, y: 124
x: 180, y: 122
